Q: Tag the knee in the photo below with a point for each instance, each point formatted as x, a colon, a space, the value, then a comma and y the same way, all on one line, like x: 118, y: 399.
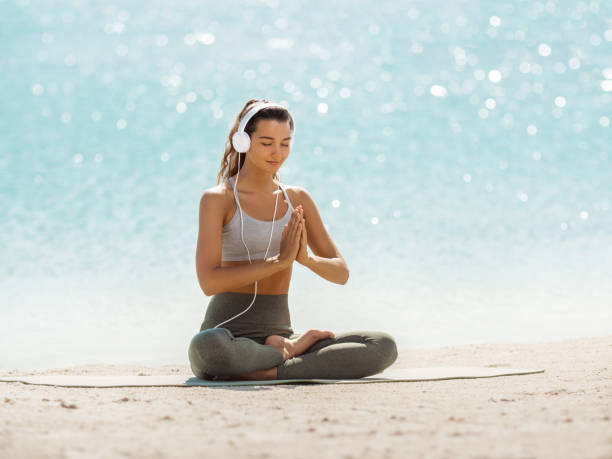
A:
x: 208, y: 352
x: 386, y: 349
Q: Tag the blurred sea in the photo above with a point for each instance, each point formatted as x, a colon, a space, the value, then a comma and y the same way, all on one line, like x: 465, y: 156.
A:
x: 458, y: 152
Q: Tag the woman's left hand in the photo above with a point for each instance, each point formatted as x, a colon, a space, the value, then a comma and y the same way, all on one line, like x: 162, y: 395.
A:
x: 302, y: 255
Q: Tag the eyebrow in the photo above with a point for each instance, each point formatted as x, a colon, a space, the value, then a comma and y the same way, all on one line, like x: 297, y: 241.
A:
x: 271, y: 138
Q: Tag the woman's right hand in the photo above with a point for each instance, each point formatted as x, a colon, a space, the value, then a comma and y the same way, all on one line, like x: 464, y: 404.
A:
x: 290, y: 239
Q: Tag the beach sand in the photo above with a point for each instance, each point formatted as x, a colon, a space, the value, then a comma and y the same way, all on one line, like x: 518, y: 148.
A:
x: 565, y: 412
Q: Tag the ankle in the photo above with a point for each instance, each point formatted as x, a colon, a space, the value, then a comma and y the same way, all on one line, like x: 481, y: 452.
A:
x: 284, y: 345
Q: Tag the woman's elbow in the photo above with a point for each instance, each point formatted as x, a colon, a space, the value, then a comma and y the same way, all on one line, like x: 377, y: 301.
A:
x: 206, y: 285
x: 209, y: 290
x: 345, y: 278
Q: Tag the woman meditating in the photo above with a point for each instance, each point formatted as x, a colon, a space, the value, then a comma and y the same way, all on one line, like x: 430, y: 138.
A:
x: 252, y: 228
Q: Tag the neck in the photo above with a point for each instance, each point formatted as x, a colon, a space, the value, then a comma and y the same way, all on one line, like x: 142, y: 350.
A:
x: 256, y: 179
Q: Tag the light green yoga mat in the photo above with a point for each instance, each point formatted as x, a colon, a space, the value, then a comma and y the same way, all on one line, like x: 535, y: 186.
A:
x: 390, y: 375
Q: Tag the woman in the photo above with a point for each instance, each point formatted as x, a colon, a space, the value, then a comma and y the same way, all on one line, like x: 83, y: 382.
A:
x: 249, y: 285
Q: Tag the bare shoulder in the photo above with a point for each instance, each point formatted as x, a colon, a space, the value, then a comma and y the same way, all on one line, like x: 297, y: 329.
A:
x: 298, y: 195
x: 215, y: 199
x: 212, y: 195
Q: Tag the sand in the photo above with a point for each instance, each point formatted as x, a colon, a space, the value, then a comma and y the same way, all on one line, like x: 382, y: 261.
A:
x: 565, y: 412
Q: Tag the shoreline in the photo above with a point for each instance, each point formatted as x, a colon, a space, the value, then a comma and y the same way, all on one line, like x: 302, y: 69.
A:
x: 564, y: 412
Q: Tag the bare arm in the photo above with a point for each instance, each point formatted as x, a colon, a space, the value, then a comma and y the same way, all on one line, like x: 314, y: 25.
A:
x: 332, y: 269
x: 327, y: 260
x: 223, y: 279
x: 215, y: 279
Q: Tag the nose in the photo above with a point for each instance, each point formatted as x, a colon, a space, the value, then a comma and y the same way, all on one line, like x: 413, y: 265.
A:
x: 275, y: 150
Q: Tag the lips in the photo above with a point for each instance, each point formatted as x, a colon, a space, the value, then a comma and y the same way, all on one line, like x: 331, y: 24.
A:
x: 274, y: 163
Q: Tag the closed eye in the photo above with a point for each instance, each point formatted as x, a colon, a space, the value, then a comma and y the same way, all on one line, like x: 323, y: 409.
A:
x: 268, y: 144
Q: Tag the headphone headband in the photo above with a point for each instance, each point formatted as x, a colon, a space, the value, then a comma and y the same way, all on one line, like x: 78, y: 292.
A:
x: 258, y: 106
x: 241, y: 140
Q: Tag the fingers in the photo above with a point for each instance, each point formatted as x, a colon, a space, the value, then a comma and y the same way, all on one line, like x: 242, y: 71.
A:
x: 303, y: 231
x: 300, y: 224
x: 297, y: 231
x: 293, y: 236
x: 296, y: 217
x: 293, y: 229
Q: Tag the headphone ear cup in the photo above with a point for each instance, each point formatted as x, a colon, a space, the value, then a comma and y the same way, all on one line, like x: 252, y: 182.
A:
x: 241, y: 141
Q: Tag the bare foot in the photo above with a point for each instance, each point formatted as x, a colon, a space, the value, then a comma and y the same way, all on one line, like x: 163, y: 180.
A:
x: 294, y: 347
x: 288, y: 347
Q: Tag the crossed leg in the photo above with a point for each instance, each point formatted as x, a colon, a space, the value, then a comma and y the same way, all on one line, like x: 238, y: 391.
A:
x: 350, y: 355
x: 288, y: 347
x: 217, y: 353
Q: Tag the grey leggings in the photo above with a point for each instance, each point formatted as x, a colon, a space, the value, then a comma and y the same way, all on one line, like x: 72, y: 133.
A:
x: 237, y: 347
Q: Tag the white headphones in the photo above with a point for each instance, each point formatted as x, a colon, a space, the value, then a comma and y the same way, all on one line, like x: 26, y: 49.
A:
x: 241, y: 140
x: 241, y: 143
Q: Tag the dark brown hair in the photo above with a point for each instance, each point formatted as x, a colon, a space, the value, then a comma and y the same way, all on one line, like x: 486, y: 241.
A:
x: 229, y: 162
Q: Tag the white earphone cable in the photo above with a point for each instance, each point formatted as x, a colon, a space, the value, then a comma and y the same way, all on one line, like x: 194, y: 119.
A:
x: 244, y: 243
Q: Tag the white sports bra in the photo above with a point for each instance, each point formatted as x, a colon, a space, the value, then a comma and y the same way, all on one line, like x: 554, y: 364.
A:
x: 256, y: 233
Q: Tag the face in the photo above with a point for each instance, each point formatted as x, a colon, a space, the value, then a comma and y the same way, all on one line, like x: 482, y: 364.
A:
x: 269, y: 145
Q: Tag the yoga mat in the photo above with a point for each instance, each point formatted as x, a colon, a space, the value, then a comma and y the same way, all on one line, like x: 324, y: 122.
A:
x: 390, y: 375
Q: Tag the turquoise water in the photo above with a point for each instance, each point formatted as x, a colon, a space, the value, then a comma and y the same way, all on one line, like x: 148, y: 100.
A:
x: 458, y: 154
